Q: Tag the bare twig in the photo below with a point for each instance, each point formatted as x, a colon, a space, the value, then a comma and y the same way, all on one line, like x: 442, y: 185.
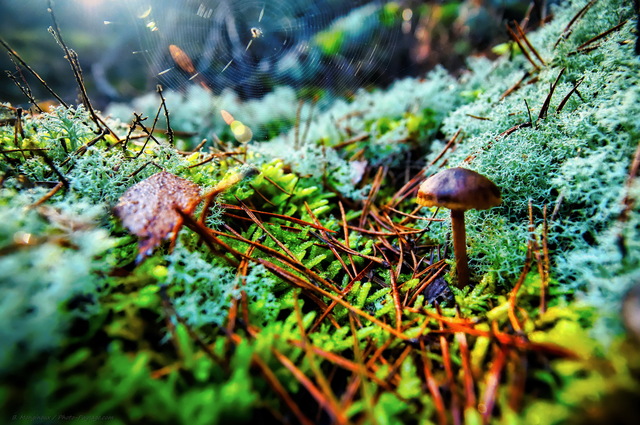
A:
x: 34, y: 73
x: 72, y: 57
x: 163, y: 106
x: 567, y: 31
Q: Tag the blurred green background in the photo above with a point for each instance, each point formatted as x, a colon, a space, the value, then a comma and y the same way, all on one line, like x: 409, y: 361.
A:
x: 105, y: 34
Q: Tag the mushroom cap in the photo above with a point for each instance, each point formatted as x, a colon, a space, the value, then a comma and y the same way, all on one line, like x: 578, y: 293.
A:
x: 459, y: 189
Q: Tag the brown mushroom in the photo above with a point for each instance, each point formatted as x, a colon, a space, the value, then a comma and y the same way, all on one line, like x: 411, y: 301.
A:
x: 459, y: 190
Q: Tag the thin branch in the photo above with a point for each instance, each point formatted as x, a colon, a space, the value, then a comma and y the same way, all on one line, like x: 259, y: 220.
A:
x: 33, y: 72
x: 163, y: 106
x: 72, y: 57
x: 567, y: 30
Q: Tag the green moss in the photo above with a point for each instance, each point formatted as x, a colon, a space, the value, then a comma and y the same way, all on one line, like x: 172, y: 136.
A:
x: 576, y: 160
x: 213, y: 333
x: 49, y: 274
x: 205, y: 289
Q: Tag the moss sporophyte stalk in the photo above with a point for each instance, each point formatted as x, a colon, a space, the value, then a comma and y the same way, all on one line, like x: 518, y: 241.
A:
x: 174, y: 269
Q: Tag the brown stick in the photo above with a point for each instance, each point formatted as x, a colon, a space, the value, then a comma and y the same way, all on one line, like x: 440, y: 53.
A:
x: 460, y: 247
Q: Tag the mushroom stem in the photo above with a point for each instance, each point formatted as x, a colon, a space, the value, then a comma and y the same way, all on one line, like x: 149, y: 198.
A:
x: 460, y: 247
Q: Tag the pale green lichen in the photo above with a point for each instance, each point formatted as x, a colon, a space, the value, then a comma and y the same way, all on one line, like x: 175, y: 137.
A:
x: 197, y: 111
x: 576, y: 160
x: 45, y: 267
x: 205, y: 289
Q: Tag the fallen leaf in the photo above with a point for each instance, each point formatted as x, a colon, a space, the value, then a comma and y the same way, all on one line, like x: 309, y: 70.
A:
x: 147, y: 209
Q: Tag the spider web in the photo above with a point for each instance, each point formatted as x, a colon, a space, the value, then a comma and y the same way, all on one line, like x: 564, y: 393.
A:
x: 321, y: 48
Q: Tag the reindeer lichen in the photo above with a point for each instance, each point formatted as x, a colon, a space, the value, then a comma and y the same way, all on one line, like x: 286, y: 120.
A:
x: 575, y: 159
x: 49, y: 274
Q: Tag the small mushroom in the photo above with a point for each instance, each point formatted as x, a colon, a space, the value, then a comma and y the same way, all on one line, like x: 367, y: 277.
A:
x: 459, y: 190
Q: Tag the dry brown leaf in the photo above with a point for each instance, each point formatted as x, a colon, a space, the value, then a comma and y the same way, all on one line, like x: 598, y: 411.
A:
x: 148, y: 209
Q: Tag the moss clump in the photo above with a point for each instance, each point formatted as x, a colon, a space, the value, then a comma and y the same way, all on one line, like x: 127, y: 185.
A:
x: 575, y: 159
x: 52, y: 267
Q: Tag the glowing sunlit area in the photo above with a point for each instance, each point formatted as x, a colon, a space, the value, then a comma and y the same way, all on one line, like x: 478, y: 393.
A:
x: 91, y: 3
x: 319, y: 212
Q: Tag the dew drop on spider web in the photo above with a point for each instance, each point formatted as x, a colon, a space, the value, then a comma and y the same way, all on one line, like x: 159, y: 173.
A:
x: 322, y: 49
